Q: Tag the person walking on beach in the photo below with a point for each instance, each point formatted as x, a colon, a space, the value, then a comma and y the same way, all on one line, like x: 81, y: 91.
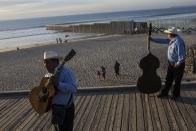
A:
x: 63, y: 107
x: 176, y: 61
x: 117, y: 68
x: 103, y: 72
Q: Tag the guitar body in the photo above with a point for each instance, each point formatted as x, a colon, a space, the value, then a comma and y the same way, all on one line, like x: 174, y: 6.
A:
x: 37, y: 94
x: 149, y: 82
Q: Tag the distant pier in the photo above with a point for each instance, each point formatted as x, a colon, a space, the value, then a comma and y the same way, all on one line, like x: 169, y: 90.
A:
x: 114, y: 27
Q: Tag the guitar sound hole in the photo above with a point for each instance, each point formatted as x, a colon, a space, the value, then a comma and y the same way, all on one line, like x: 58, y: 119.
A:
x: 44, y: 97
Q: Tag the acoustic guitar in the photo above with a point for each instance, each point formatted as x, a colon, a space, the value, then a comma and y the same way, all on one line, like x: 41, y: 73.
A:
x: 41, y: 96
x: 149, y: 82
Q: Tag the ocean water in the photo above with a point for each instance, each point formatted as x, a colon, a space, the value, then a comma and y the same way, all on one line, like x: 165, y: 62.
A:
x: 23, y: 38
x: 26, y: 32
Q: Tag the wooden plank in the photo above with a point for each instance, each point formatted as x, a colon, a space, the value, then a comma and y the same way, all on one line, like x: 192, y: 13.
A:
x: 34, y: 120
x: 27, y: 122
x: 22, y: 117
x: 10, y: 112
x: 31, y: 123
x: 7, y: 107
x: 147, y: 114
x: 125, y: 115
x: 179, y: 119
x: 51, y: 128
x: 190, y: 110
x: 183, y: 111
x: 118, y: 115
x: 79, y: 104
x: 102, y: 114
x: 77, y: 100
x: 110, y: 120
x: 18, y: 128
x: 170, y: 115
x: 192, y: 97
x: 39, y: 121
x: 85, y: 113
x: 14, y: 115
x: 91, y: 114
x: 80, y: 113
x: 140, y: 115
x: 133, y: 113
x: 2, y: 104
x: 83, y: 119
x: 162, y: 114
x: 154, y: 114
x: 46, y: 125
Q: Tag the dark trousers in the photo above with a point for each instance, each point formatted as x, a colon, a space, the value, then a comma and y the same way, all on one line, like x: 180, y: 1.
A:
x: 117, y: 72
x: 103, y: 74
x: 174, y: 74
x: 63, y: 118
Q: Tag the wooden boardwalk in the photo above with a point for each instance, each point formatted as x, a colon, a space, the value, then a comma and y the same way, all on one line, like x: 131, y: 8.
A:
x: 111, y: 110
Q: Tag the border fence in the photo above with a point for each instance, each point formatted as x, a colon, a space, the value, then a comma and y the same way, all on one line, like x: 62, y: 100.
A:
x: 114, y: 27
x: 183, y: 24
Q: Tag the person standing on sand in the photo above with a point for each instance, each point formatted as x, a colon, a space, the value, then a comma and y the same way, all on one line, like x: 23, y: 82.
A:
x: 176, y: 61
x: 63, y: 107
x: 117, y: 68
x: 103, y: 72
x: 60, y: 40
x: 57, y: 41
x: 98, y: 75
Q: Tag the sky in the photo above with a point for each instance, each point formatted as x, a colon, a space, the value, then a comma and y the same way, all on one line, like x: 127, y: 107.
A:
x: 20, y: 9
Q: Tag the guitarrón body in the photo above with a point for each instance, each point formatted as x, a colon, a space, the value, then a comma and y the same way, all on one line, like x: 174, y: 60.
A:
x: 149, y: 82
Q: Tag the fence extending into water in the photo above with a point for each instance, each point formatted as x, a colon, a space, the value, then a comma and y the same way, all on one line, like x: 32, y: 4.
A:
x: 128, y: 27
x: 114, y: 27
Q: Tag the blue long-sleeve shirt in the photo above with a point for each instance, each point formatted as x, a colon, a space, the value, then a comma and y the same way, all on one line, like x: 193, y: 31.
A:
x: 67, y: 88
x: 176, y: 53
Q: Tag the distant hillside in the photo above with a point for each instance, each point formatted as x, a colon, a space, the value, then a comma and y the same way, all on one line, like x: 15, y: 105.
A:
x: 188, y: 6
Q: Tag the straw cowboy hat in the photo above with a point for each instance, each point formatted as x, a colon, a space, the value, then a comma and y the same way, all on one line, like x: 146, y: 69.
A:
x: 172, y: 30
x: 51, y: 55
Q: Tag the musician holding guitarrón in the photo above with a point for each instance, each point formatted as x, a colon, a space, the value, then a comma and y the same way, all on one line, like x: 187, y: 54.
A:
x: 63, y: 101
x: 176, y: 59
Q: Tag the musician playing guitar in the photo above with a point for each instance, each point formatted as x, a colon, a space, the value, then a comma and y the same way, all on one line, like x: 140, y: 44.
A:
x: 63, y: 101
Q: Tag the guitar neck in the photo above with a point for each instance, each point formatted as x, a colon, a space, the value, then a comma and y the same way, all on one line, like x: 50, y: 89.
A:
x: 67, y: 58
x: 59, y: 67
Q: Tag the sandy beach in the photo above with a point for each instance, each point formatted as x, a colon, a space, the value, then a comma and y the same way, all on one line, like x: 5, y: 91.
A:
x: 23, y: 69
